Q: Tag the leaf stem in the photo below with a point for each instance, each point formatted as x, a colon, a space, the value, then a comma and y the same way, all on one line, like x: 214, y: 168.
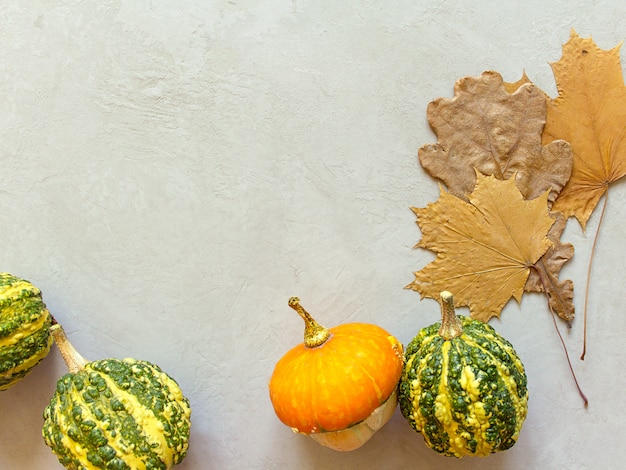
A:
x: 558, y: 332
x: 569, y: 362
x: 591, y: 257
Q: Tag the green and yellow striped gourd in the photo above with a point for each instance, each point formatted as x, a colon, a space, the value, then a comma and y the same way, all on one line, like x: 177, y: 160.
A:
x: 115, y: 414
x: 24, y: 329
x: 463, y: 386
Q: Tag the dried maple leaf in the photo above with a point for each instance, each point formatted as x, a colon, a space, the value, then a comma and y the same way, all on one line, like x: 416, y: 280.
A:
x: 512, y: 87
x: 496, y: 127
x: 486, y: 246
x: 544, y: 277
x: 590, y: 113
x: 497, y: 132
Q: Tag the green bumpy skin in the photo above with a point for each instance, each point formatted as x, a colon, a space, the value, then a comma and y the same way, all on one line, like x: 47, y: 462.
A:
x: 467, y: 395
x: 118, y: 414
x: 24, y: 329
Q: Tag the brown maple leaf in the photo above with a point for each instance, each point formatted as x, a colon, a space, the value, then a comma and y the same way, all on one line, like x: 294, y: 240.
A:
x: 484, y: 127
x: 544, y: 277
x: 590, y: 113
x: 512, y: 87
x: 486, y: 246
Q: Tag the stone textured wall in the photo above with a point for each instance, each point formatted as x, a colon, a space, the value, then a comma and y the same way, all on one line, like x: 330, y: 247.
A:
x: 173, y: 171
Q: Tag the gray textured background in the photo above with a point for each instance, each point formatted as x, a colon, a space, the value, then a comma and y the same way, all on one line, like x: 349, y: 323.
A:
x: 173, y: 171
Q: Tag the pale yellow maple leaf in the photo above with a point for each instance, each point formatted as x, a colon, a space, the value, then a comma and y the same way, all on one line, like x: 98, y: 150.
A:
x: 486, y: 246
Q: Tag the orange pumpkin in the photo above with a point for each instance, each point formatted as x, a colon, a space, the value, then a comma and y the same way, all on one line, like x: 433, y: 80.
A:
x: 339, y: 386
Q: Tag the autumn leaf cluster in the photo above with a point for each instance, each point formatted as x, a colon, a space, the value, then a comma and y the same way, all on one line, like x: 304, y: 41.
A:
x: 513, y: 166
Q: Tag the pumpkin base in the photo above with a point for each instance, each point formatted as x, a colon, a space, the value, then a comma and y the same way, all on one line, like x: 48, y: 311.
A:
x: 358, y: 434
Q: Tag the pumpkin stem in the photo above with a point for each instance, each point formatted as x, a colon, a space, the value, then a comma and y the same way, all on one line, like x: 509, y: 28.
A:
x: 314, y: 333
x: 75, y: 362
x: 450, y: 324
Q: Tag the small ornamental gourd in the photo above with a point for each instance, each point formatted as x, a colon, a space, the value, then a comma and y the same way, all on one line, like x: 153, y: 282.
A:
x: 339, y: 387
x: 24, y: 329
x: 463, y: 386
x: 115, y: 414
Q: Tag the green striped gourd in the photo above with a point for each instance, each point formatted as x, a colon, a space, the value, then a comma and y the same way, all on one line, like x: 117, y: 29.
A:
x: 463, y: 386
x: 24, y: 329
x: 115, y: 414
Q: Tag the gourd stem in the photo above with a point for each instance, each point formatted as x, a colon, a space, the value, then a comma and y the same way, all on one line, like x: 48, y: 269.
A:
x: 75, y: 362
x: 314, y: 333
x: 450, y: 324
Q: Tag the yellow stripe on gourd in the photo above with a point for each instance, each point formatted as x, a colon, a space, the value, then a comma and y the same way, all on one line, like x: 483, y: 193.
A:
x: 31, y: 362
x: 470, y: 383
x: 503, y: 373
x: 509, y: 382
x: 476, y: 417
x: 15, y: 289
x: 25, y: 330
x: 151, y: 427
x: 443, y: 407
x: 63, y: 423
x: 114, y: 441
x: 419, y: 420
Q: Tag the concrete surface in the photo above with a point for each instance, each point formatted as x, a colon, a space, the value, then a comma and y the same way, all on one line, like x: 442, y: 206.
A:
x: 174, y: 171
